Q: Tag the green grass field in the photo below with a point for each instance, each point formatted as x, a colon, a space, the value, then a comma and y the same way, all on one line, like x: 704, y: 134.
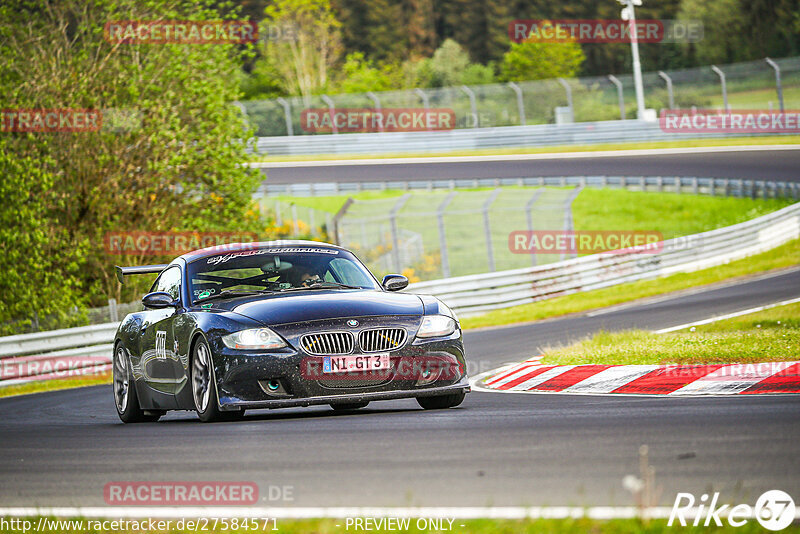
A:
x: 770, y: 335
x: 53, y: 385
x: 366, y: 229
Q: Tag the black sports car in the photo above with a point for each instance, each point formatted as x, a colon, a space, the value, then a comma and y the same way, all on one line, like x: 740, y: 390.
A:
x: 279, y: 324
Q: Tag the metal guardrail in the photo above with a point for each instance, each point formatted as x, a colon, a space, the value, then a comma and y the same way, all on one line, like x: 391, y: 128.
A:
x: 56, y: 354
x: 483, y: 292
x: 660, y: 184
x: 581, y: 133
x: 48, y: 355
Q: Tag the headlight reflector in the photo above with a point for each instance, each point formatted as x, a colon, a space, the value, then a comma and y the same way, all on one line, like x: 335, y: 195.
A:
x: 436, y: 326
x: 255, y: 338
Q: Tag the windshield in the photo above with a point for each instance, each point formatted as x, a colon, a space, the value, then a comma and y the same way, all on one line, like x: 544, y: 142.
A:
x: 277, y: 269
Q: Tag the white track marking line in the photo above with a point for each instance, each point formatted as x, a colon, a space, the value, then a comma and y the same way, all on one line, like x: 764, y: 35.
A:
x: 610, y: 379
x: 727, y: 316
x: 467, y: 512
x: 542, y: 378
x: 520, y: 157
x: 731, y: 379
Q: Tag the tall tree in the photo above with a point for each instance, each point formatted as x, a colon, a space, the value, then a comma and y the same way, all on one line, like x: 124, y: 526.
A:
x: 304, y: 62
x: 173, y: 163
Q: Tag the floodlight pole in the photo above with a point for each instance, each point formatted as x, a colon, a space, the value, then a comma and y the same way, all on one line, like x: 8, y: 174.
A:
x: 629, y: 15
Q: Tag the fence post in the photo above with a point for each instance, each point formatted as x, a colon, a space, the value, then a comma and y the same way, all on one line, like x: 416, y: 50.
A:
x: 620, y: 97
x: 278, y: 218
x: 568, y: 222
x: 488, y: 230
x: 520, y: 102
x: 568, y: 89
x: 425, y: 102
x: 287, y: 115
x: 332, y: 111
x: 113, y: 313
x: 472, y: 104
x: 336, y: 218
x: 724, y: 87
x: 393, y: 222
x: 442, y: 239
x: 295, y: 227
x: 670, y: 95
x: 529, y: 217
x: 375, y: 100
x: 778, y: 85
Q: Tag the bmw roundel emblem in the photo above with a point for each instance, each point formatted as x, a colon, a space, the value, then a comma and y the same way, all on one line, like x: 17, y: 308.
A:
x: 352, y: 323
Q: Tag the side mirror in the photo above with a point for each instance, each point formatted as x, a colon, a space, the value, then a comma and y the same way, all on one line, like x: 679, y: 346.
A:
x: 394, y: 282
x: 158, y: 300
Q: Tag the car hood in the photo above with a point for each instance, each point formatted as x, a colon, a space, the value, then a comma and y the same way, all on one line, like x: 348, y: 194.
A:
x: 324, y: 304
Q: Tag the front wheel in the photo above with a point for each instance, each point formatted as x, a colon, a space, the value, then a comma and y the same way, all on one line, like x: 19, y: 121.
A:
x: 204, y: 390
x: 125, y: 398
x: 441, y: 401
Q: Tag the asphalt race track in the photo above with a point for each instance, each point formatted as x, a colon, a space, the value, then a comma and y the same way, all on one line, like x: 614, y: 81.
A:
x: 767, y: 164
x: 61, y: 448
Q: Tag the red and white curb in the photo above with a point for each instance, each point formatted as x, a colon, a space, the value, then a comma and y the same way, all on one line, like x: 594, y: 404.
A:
x: 531, y: 376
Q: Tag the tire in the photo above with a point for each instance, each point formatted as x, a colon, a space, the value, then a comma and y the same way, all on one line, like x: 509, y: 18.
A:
x: 124, y: 390
x: 441, y: 401
x: 204, y: 391
x: 346, y: 406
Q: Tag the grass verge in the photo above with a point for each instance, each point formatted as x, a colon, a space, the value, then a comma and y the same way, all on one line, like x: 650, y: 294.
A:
x: 786, y: 255
x: 735, y: 141
x: 472, y: 526
x: 769, y: 335
x: 52, y: 385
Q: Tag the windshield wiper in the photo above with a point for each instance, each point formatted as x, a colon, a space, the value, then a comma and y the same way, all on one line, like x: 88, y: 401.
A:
x: 323, y: 285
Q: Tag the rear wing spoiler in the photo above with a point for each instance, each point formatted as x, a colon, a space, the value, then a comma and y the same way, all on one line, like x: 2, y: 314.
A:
x: 122, y: 272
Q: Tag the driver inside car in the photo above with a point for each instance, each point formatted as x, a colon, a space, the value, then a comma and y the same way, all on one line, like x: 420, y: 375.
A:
x: 302, y: 276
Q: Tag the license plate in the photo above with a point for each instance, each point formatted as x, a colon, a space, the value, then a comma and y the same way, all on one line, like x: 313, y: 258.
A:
x: 355, y: 363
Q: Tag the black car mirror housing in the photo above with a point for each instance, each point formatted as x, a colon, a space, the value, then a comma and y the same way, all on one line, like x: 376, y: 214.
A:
x: 394, y: 282
x: 159, y: 299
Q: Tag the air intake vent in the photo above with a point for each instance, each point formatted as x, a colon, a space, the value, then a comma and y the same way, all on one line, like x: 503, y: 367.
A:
x: 328, y: 343
x: 382, y: 339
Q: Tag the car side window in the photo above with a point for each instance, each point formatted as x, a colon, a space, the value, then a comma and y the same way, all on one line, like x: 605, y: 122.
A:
x: 170, y: 282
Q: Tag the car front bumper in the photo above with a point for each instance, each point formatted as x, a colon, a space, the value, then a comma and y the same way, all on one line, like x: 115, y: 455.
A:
x: 349, y: 397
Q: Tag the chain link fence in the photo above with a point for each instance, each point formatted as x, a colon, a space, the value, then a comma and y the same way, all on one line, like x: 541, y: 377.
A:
x: 441, y: 234
x: 749, y: 85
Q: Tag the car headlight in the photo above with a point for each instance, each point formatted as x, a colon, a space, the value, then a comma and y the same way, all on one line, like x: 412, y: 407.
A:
x: 436, y: 326
x: 255, y: 338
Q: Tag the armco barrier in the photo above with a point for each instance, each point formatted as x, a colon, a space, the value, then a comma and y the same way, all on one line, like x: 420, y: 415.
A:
x: 476, y: 138
x: 56, y: 354
x: 482, y: 292
x: 46, y: 355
